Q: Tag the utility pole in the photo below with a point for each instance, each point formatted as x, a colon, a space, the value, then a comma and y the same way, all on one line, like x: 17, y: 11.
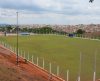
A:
x: 17, y: 28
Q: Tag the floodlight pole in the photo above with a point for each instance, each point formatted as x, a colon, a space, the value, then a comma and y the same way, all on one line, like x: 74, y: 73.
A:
x: 17, y: 28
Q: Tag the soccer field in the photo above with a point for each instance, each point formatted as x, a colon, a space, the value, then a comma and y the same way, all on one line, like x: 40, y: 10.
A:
x: 62, y: 51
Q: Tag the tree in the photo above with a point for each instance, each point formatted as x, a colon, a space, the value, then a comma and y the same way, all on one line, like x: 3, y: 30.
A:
x: 80, y: 31
x: 8, y: 28
x: 25, y: 29
x: 2, y: 29
x: 15, y: 30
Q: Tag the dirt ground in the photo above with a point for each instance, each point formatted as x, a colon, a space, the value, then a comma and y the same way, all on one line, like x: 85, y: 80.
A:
x: 10, y: 71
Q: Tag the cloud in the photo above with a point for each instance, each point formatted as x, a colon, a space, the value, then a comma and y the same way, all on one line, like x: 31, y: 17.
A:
x: 51, y: 11
x: 56, y: 6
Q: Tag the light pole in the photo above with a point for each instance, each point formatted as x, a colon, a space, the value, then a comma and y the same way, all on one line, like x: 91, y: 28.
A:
x: 17, y: 28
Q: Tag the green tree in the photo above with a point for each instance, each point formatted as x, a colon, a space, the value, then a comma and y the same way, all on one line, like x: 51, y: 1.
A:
x: 80, y: 31
x: 8, y: 28
x: 25, y: 29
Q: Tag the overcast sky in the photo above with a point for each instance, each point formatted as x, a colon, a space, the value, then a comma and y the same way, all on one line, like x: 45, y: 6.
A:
x: 50, y: 11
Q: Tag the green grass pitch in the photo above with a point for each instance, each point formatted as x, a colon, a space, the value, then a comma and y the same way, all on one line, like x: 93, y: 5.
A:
x: 62, y: 51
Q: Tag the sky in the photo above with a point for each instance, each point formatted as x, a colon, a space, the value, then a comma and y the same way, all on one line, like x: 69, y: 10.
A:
x: 50, y: 11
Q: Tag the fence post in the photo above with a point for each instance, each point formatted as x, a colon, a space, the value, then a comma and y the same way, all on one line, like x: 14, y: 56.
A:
x: 18, y: 52
x: 50, y: 67
x: 15, y: 51
x: 80, y: 67
x: 8, y: 46
x: 50, y: 74
x: 14, y: 48
x: 94, y: 75
x: 28, y: 57
x: 5, y: 44
x: 37, y: 61
x: 43, y: 63
x: 24, y: 55
x: 21, y: 53
x: 57, y: 70
x: 32, y: 59
x: 67, y: 75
